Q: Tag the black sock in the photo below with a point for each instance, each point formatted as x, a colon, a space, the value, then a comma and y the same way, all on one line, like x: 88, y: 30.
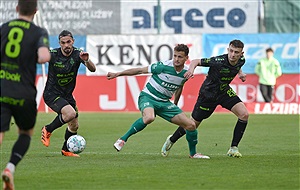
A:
x: 177, y: 134
x: 238, y: 132
x: 20, y: 148
x: 67, y: 135
x: 56, y: 123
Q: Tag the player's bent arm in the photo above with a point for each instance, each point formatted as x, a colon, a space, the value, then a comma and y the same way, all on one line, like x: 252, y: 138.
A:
x: 43, y: 55
x: 87, y: 62
x: 190, y: 72
x: 242, y: 75
x: 90, y: 65
x: 194, y: 63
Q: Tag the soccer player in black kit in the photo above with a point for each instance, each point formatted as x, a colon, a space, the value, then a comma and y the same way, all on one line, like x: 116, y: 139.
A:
x: 62, y: 73
x: 23, y: 44
x: 214, y: 91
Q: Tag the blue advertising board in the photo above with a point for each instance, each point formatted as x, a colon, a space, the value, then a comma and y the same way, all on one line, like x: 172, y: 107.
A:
x: 285, y: 46
x: 80, y: 42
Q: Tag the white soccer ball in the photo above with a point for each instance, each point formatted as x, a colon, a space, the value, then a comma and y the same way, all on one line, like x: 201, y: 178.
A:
x: 76, y: 144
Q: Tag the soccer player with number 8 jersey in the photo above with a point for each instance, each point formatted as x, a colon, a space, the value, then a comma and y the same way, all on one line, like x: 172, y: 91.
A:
x: 23, y: 44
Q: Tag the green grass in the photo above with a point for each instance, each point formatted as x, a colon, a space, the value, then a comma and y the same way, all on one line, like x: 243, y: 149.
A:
x: 270, y: 149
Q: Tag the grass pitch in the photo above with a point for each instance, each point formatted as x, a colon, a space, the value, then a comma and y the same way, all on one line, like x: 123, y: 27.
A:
x: 270, y: 149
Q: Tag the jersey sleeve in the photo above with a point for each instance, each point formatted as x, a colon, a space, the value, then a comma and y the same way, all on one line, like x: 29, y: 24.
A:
x: 155, y: 68
x: 77, y: 54
x: 207, y: 62
x: 53, y: 53
x: 44, y: 39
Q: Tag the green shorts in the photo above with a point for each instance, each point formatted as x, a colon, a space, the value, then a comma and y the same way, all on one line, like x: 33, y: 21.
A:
x: 164, y: 109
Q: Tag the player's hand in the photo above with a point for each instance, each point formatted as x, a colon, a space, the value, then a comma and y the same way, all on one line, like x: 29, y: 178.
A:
x: 84, y: 56
x: 188, y: 74
x: 242, y: 77
x: 111, y: 75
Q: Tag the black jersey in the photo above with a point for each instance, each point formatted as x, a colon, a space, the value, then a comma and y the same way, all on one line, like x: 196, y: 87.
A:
x: 62, y: 73
x: 220, y: 75
x: 20, y: 41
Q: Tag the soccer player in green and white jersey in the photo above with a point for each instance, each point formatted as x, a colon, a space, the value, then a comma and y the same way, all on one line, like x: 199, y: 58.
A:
x: 167, y: 79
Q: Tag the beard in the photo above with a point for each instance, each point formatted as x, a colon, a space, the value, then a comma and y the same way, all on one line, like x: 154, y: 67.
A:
x: 67, y: 50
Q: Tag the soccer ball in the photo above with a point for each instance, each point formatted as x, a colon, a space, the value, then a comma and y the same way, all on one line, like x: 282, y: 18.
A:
x: 76, y: 144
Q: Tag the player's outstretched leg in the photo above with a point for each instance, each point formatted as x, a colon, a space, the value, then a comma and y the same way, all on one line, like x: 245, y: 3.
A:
x: 136, y: 127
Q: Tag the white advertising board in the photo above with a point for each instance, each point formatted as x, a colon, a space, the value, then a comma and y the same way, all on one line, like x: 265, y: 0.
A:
x: 188, y: 17
x: 112, y: 53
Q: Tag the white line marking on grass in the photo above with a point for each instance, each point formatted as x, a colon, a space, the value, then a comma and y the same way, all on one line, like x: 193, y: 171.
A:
x: 151, y: 153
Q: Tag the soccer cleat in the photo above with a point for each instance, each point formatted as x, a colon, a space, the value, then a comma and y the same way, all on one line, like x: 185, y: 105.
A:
x: 199, y: 155
x: 119, y: 144
x: 45, y: 138
x: 234, y: 152
x: 8, y: 180
x: 165, y: 150
x: 70, y: 154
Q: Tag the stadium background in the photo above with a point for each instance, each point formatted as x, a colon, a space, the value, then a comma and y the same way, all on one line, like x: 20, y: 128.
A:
x: 123, y: 34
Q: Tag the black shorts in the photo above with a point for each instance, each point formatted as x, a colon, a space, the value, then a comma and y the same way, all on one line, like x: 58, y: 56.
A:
x: 24, y: 116
x: 56, y: 103
x: 205, y: 107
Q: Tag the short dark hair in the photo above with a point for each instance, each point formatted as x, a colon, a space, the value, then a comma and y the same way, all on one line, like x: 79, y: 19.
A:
x: 27, y: 7
x: 65, y: 33
x: 237, y: 43
x: 269, y: 50
x: 182, y: 47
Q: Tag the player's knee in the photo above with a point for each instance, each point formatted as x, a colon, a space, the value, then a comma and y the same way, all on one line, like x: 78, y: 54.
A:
x: 244, y: 116
x: 190, y: 126
x: 26, y: 132
x: 69, y: 116
x: 148, y: 119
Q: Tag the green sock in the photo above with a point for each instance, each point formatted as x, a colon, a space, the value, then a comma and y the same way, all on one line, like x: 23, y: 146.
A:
x: 192, y: 138
x: 137, y: 126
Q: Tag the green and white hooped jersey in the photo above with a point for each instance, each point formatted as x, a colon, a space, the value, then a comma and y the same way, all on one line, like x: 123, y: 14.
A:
x: 165, y: 80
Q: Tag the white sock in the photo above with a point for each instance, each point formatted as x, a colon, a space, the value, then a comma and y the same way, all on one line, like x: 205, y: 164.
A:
x: 11, y: 167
